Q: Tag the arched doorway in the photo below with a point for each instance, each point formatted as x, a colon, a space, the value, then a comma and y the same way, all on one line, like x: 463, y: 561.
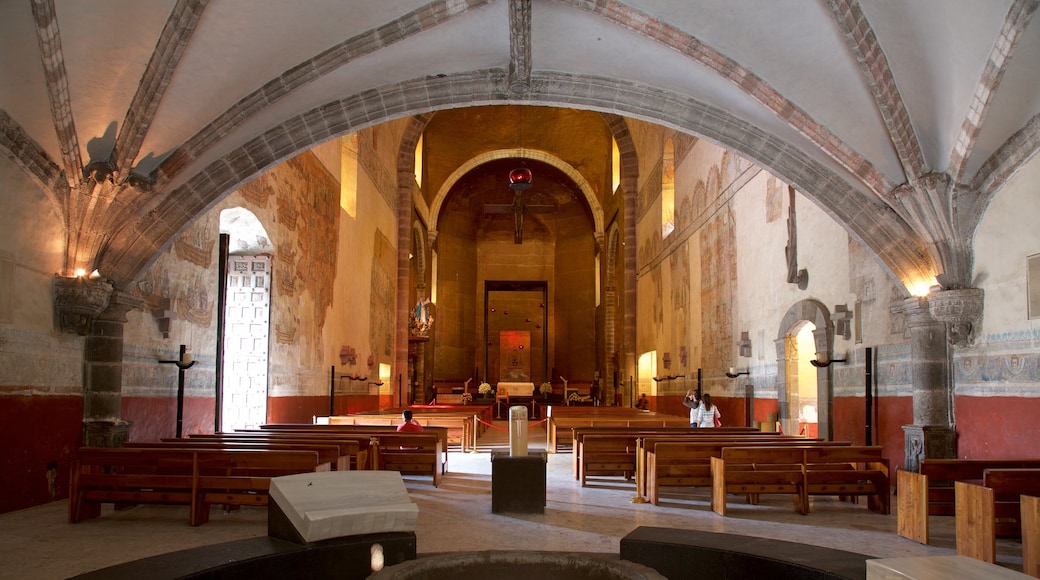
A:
x: 247, y: 321
x: 804, y: 391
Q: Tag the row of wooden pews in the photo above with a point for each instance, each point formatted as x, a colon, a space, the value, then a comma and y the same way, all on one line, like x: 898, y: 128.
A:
x: 801, y: 471
x: 176, y: 475
x: 457, y: 419
x: 731, y: 460
x: 235, y: 468
x: 561, y: 420
x: 990, y: 499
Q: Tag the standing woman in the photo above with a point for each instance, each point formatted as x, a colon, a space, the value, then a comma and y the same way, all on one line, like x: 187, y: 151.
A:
x: 693, y: 401
x: 707, y: 414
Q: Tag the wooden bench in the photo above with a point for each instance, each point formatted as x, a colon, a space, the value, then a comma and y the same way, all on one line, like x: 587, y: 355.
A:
x: 992, y: 509
x: 1031, y: 535
x: 425, y: 448
x: 561, y: 420
x: 752, y: 471
x: 357, y: 444
x: 687, y: 463
x: 331, y: 457
x: 637, y: 433
x: 849, y: 472
x: 360, y: 432
x: 197, y: 478
x: 803, y: 470
x: 410, y: 454
x: 931, y: 490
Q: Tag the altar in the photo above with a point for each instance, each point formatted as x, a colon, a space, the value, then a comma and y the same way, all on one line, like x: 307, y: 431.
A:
x: 516, y: 389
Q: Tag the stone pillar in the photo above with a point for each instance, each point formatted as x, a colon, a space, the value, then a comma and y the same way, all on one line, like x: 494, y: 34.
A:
x: 933, y: 433
x: 103, y: 376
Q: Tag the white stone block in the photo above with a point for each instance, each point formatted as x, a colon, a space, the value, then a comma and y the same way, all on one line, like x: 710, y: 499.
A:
x: 333, y: 504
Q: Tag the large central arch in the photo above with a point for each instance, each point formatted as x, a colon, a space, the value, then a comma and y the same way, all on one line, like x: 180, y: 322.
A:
x: 130, y: 250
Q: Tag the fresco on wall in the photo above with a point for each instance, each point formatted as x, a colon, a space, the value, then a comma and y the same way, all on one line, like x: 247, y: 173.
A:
x: 258, y: 191
x: 196, y: 245
x: 775, y: 190
x: 307, y: 185
x: 679, y: 261
x: 718, y: 283
x: 384, y: 267
x: 194, y: 303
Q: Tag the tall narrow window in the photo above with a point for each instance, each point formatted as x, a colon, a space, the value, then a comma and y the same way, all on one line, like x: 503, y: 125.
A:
x: 418, y: 162
x: 348, y: 174
x: 668, y: 189
x: 615, y: 166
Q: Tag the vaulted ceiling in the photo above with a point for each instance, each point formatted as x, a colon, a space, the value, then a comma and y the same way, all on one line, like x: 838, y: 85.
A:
x: 901, y: 118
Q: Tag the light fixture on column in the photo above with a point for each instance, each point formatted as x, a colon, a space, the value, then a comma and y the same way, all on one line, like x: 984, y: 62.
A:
x: 732, y: 373
x: 822, y: 362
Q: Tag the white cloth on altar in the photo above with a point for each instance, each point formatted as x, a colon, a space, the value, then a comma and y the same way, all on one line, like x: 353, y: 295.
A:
x: 517, y: 389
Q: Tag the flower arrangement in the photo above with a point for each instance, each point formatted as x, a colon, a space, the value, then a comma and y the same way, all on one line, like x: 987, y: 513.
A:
x: 467, y: 398
x: 484, y: 388
x: 545, y: 388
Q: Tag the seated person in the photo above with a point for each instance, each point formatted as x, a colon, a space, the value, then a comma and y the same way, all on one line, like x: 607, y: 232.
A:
x: 643, y: 403
x: 410, y: 425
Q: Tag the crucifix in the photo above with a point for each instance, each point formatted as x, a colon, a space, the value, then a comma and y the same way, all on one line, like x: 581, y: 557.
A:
x: 519, y: 180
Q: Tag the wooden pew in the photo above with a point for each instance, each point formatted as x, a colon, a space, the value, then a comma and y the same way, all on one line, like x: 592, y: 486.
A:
x: 1031, y: 535
x: 456, y: 420
x: 197, y: 478
x: 425, y: 453
x: 561, y: 420
x: 637, y: 432
x: 931, y: 490
x: 990, y: 509
x: 331, y: 456
x: 360, y: 431
x: 753, y: 471
x: 356, y: 444
x: 848, y: 471
x: 687, y: 463
x: 410, y: 454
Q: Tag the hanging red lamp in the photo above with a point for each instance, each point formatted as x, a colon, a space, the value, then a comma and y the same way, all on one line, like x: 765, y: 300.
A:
x: 520, y: 178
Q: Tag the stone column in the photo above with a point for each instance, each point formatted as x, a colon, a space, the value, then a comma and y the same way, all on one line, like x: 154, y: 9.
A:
x: 933, y: 433
x: 103, y: 376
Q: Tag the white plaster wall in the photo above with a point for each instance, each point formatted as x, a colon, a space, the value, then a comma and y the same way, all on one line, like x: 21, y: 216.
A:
x: 32, y: 241
x: 349, y: 317
x: 1008, y: 233
x: 763, y: 294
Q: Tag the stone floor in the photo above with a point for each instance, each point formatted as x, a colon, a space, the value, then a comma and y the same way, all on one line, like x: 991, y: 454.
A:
x: 38, y: 543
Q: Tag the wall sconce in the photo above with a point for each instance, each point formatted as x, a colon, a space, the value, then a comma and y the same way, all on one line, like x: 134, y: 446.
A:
x: 184, y: 361
x: 826, y: 363
x: 732, y: 373
x: 744, y: 344
x: 668, y: 378
x: 842, y: 321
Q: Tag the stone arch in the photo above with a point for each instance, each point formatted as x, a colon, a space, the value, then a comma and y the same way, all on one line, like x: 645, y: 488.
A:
x: 802, y: 312
x: 148, y: 226
x: 523, y: 153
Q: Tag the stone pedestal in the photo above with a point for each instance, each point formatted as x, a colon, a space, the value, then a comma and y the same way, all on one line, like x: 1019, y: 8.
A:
x: 105, y: 433
x: 928, y: 441
x: 518, y: 483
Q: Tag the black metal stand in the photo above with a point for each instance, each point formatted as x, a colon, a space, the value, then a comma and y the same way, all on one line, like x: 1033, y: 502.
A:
x: 182, y: 365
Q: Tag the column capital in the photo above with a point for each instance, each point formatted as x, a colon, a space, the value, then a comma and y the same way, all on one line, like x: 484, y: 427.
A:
x: 78, y: 301
x: 960, y: 310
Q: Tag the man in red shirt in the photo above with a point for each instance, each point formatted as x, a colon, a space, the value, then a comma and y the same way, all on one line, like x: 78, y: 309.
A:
x: 410, y: 425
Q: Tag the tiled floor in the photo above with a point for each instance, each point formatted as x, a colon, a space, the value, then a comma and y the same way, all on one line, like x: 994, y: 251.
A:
x: 38, y: 543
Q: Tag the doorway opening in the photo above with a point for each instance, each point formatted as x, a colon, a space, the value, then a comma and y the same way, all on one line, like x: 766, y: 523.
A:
x: 247, y: 322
